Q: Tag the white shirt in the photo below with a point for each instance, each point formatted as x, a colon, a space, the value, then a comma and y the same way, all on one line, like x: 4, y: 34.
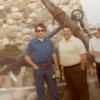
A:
x: 94, y: 44
x: 70, y: 51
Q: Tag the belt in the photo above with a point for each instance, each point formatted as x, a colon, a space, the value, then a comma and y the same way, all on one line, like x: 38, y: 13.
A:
x: 72, y: 66
x: 42, y: 64
x: 97, y: 62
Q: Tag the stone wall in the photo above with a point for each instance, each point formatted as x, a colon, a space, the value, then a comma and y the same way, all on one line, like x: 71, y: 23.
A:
x: 18, y: 17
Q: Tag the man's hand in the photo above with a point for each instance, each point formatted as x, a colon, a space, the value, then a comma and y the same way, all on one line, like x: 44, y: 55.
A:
x: 83, y: 61
x: 58, y: 74
x: 35, y: 67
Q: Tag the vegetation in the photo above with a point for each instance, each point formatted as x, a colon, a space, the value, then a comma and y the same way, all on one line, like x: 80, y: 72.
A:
x: 10, y: 50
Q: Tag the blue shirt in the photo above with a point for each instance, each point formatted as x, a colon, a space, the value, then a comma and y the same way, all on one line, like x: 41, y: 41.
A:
x: 40, y: 51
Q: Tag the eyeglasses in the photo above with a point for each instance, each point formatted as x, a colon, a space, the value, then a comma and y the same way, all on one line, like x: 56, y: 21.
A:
x: 39, y: 30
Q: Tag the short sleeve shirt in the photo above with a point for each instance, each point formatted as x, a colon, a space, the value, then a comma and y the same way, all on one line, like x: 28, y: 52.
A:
x: 40, y: 51
x: 94, y: 45
x: 70, y: 51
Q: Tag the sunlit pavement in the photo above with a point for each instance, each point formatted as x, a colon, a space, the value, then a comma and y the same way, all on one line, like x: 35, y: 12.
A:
x: 28, y: 93
x: 94, y: 90
x: 21, y: 92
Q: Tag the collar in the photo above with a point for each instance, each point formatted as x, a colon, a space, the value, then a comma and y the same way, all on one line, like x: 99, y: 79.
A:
x: 70, y: 39
x: 39, y: 40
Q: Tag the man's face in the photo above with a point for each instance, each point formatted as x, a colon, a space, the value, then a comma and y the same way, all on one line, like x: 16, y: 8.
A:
x: 67, y: 33
x: 40, y: 33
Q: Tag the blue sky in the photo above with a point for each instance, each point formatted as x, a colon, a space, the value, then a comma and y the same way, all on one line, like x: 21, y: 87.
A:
x: 92, y: 11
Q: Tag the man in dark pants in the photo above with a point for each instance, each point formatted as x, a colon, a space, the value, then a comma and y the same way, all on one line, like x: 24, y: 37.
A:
x: 39, y: 54
x: 94, y: 48
x: 73, y: 57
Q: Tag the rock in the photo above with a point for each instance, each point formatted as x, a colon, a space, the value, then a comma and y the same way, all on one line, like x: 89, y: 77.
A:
x: 72, y: 2
x: 26, y: 30
x: 27, y: 38
x: 1, y: 46
x: 8, y: 82
x: 65, y: 1
x: 2, y: 7
x: 6, y: 96
x: 10, y: 21
x: 2, y: 14
x: 4, y: 26
x: 56, y: 2
x: 14, y: 9
x: 19, y: 94
x: 32, y: 5
x: 19, y: 37
x: 6, y: 41
x: 16, y: 15
x: 33, y: 15
x: 7, y: 10
x: 32, y: 96
x: 29, y: 20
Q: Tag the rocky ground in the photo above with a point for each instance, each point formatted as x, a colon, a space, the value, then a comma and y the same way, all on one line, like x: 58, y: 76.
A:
x: 21, y: 86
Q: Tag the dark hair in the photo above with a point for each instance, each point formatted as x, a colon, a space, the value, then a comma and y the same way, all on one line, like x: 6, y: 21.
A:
x: 42, y: 25
x: 65, y: 26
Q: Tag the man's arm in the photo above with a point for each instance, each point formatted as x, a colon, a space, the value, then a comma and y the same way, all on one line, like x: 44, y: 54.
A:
x: 83, y: 61
x: 30, y: 62
x: 91, y: 49
x: 57, y: 66
x: 55, y: 60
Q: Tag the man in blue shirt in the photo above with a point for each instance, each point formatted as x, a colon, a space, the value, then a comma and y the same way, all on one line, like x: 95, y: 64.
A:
x: 39, y: 53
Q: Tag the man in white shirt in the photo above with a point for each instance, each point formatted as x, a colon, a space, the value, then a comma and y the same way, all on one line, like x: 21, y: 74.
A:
x: 72, y: 54
x: 94, y: 48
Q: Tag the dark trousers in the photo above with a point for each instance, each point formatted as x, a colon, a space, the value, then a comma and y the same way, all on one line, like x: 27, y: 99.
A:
x: 98, y: 71
x: 77, y: 83
x: 42, y: 75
